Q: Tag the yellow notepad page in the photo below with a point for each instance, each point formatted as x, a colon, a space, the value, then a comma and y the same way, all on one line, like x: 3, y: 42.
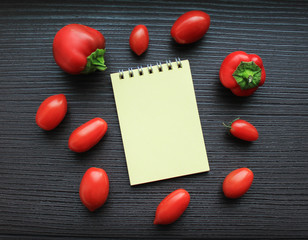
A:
x: 159, y: 122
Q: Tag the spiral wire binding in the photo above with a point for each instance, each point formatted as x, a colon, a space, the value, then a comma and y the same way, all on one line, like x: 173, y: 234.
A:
x: 121, y: 74
x: 169, y: 64
x: 150, y: 68
x: 160, y: 67
x: 178, y: 62
x: 130, y: 72
x: 140, y: 70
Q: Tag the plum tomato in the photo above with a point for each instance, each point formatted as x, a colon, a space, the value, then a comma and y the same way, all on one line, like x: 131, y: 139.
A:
x: 139, y: 39
x: 190, y: 27
x: 172, y: 207
x: 51, y: 112
x: 237, y: 183
x: 243, y: 130
x: 87, y: 135
x: 94, y: 188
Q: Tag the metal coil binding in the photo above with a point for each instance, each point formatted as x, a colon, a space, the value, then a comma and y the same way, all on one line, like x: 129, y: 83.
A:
x: 169, y: 64
x: 150, y: 68
x: 178, y: 62
x: 140, y: 70
x: 130, y: 72
x: 159, y: 66
x: 121, y: 74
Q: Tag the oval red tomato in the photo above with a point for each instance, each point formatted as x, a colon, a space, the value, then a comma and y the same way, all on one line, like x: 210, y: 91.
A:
x: 190, y: 27
x: 244, y: 130
x: 87, y: 135
x: 237, y: 183
x: 139, y: 39
x: 172, y: 207
x: 51, y: 112
x: 94, y: 188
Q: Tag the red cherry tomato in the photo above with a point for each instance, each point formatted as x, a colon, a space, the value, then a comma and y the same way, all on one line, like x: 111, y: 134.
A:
x: 237, y: 183
x: 190, y: 27
x: 94, y: 188
x: 172, y: 207
x: 243, y: 130
x: 51, y: 112
x: 139, y: 39
x: 87, y: 135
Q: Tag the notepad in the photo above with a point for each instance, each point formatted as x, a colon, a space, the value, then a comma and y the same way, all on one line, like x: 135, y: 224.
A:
x: 159, y: 122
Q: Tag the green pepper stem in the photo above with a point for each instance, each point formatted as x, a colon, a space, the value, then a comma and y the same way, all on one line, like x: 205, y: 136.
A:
x: 247, y: 75
x: 95, y: 61
x: 250, y: 79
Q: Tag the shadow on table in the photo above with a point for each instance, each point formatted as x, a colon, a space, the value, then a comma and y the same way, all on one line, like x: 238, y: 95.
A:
x: 180, y: 49
x: 225, y: 95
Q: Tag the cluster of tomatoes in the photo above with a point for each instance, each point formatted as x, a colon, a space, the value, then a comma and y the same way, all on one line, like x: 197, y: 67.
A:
x: 80, y: 49
x: 188, y: 28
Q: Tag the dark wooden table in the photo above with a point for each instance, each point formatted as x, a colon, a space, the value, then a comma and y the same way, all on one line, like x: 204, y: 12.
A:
x: 40, y: 176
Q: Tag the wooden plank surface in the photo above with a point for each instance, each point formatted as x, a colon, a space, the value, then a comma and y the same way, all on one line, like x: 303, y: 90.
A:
x: 40, y: 176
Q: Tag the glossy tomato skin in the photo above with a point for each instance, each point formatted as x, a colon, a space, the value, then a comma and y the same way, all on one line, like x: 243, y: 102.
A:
x: 87, y: 135
x: 172, y: 207
x: 237, y: 183
x: 190, y: 27
x: 73, y: 44
x: 139, y: 39
x: 244, y: 130
x: 51, y: 112
x: 94, y: 188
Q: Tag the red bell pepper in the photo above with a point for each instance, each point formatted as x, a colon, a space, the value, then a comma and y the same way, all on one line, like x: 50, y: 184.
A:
x: 79, y: 49
x: 242, y: 73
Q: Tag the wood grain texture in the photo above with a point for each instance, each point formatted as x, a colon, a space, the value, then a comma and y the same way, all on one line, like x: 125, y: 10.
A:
x: 40, y: 176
